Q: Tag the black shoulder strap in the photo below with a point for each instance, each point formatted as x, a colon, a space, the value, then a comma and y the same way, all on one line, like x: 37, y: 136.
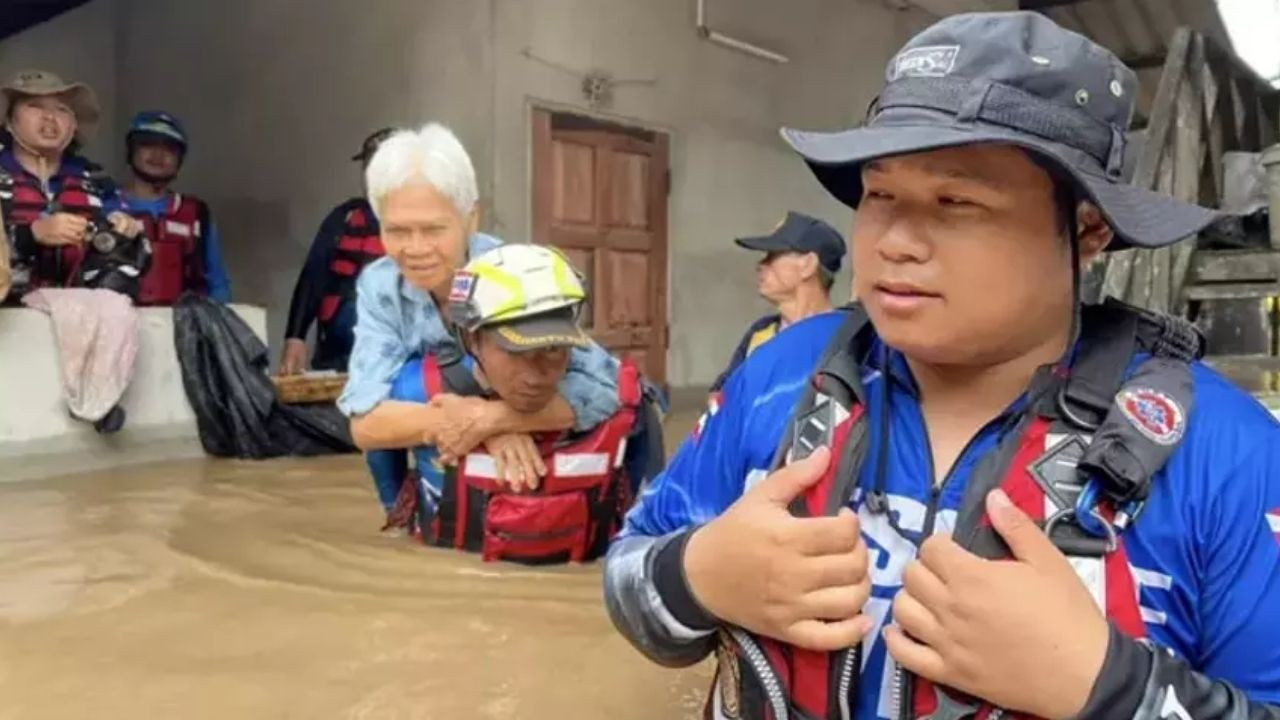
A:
x: 834, y: 392
x: 457, y: 378
x: 1136, y: 422
x: 1144, y: 416
x: 838, y: 361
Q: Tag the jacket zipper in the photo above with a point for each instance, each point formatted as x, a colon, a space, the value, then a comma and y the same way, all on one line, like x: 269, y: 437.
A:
x: 764, y: 672
x: 851, y: 661
x: 903, y: 688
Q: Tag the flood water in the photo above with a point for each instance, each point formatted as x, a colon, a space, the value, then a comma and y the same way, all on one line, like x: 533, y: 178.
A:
x: 235, y: 589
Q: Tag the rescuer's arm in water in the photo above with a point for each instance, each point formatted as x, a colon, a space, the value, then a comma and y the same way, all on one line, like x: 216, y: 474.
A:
x: 309, y: 288
x: 699, y: 549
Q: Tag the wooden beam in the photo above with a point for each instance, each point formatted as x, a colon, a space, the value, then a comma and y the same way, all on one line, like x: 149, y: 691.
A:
x: 1213, y: 126
x: 1122, y: 279
x: 1142, y: 62
x: 1233, y: 291
x: 1188, y: 160
x: 1215, y: 266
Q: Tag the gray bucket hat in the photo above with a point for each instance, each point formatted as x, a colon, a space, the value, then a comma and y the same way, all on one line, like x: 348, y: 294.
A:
x: 1015, y: 78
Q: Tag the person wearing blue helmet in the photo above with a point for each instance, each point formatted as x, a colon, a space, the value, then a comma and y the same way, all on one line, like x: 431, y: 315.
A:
x: 186, y: 248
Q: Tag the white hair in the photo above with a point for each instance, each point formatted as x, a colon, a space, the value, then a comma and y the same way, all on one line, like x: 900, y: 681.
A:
x: 432, y: 155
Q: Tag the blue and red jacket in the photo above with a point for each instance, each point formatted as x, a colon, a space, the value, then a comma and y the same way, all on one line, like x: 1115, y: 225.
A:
x: 1205, y: 551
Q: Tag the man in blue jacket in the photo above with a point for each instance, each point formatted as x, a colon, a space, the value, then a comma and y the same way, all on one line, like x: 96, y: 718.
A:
x: 971, y: 497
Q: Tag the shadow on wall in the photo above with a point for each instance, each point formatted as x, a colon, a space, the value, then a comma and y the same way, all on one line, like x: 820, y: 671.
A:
x: 263, y: 256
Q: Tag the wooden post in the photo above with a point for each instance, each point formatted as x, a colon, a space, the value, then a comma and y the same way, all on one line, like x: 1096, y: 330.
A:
x: 1118, y: 278
x: 1188, y: 159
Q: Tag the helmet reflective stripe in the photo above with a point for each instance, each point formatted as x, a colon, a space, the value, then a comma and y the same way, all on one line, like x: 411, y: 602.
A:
x: 515, y: 281
x: 158, y: 123
x: 160, y: 129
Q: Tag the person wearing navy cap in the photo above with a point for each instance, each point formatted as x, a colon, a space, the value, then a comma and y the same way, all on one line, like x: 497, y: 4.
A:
x: 324, y: 294
x: 801, y: 258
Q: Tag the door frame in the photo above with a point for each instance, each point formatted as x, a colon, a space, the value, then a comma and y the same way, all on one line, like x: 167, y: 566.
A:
x: 540, y: 111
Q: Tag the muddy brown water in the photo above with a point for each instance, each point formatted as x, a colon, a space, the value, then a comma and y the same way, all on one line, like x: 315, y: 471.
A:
x: 236, y: 589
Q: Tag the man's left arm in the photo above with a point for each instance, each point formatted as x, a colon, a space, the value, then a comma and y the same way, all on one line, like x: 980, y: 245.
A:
x: 218, y: 283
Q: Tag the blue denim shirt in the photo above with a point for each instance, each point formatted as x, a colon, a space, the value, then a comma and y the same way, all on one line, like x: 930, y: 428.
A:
x: 395, y: 321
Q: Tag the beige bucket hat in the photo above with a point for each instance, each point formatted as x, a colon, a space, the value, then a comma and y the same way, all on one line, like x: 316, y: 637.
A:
x: 39, y: 83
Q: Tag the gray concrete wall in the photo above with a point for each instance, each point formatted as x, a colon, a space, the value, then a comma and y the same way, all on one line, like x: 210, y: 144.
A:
x: 78, y: 45
x: 278, y: 94
x: 731, y: 173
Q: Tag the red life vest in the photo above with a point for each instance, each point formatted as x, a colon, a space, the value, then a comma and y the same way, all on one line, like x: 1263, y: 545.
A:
x: 574, y: 513
x: 23, y: 199
x: 1045, y: 464
x: 359, y: 245
x: 176, y: 247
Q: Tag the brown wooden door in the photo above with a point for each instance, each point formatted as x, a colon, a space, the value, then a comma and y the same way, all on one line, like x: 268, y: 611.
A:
x: 600, y: 195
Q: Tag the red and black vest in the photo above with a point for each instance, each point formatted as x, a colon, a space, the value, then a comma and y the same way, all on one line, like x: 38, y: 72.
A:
x: 177, y: 247
x: 24, y: 200
x: 574, y: 513
x: 1079, y: 460
x: 359, y: 244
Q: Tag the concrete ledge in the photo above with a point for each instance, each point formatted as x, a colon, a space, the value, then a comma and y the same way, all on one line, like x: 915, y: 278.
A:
x: 37, y: 432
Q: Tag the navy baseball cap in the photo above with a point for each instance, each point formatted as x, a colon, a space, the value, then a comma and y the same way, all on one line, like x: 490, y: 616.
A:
x: 1015, y: 78
x: 371, y: 143
x: 800, y: 233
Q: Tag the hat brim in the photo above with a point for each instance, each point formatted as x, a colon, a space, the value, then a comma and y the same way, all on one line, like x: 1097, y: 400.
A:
x: 81, y: 98
x: 539, y: 332
x: 761, y: 243
x: 1139, y: 217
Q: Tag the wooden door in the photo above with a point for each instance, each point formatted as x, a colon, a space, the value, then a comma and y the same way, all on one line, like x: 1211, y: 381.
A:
x: 600, y: 196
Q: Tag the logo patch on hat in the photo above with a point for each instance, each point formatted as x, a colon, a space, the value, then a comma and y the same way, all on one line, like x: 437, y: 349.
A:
x: 931, y: 61
x: 1153, y: 413
x: 460, y: 290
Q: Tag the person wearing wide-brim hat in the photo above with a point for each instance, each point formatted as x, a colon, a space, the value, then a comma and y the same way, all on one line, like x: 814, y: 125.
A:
x: 1025, y: 506
x: 50, y: 192
x: 324, y: 294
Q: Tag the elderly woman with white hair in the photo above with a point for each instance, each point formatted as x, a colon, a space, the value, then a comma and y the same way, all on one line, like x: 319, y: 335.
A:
x: 422, y: 186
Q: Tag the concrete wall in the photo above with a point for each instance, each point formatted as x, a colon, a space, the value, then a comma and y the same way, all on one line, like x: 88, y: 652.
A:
x: 278, y: 95
x: 33, y: 414
x: 731, y: 173
x: 78, y: 45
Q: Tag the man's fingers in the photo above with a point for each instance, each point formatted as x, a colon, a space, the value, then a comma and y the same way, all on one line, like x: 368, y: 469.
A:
x: 915, y: 657
x: 832, y: 570
x: 828, y: 636
x: 943, y: 557
x: 828, y: 535
x: 1023, y: 536
x: 925, y: 586
x: 834, y: 603
x: 917, y: 620
x: 785, y: 485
